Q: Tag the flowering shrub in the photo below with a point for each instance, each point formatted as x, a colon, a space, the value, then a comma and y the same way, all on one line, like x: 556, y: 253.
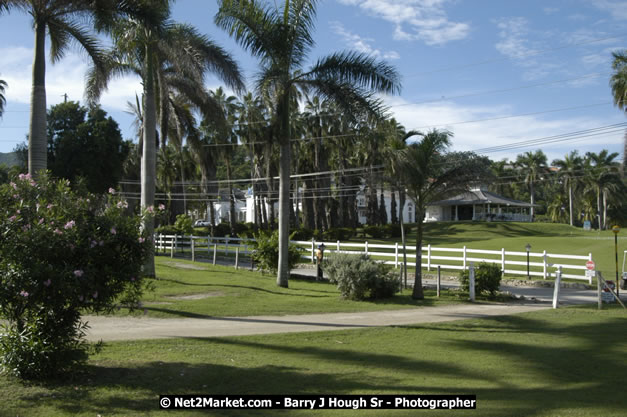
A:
x: 62, y: 253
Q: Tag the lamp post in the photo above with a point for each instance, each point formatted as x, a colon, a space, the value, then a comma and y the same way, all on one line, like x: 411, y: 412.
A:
x: 616, y: 229
x: 528, y: 248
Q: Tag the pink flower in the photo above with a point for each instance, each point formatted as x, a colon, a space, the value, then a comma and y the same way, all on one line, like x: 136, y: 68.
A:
x: 12, y: 218
x: 161, y: 207
x: 113, y: 232
x: 48, y: 282
x: 49, y: 206
x: 95, y: 294
x: 111, y: 191
x: 70, y: 225
x: 12, y: 184
x: 141, y: 240
x: 24, y: 293
x: 24, y: 176
x: 40, y: 221
x: 58, y: 232
x: 78, y: 273
x: 150, y: 209
x: 93, y: 244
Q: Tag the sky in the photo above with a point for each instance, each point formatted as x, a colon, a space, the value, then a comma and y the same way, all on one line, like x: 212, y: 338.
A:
x: 505, y: 77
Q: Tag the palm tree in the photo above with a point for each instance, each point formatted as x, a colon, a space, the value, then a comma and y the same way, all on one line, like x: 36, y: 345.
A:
x: 430, y: 174
x: 153, y: 49
x: 3, y: 100
x: 61, y: 20
x: 570, y: 170
x: 534, y: 166
x: 282, y: 40
x: 618, y: 83
x: 603, y: 176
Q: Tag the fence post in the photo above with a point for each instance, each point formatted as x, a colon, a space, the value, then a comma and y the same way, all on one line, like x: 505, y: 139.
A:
x: 438, y: 285
x: 215, y: 252
x: 172, y: 246
x: 429, y: 257
x: 471, y: 279
x: 237, y: 257
x: 599, y: 291
x: 366, y: 248
x: 193, y: 250
x: 160, y: 243
x: 396, y: 255
x: 226, y: 246
x: 464, y: 258
x: 313, y: 251
x: 545, y: 264
x: 338, y: 246
x: 502, y: 262
x: 209, y: 240
x: 556, y: 291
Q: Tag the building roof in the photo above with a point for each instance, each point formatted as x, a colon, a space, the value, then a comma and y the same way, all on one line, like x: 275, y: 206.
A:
x: 478, y: 196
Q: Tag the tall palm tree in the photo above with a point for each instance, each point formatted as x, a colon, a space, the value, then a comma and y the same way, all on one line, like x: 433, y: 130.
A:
x: 603, y: 175
x: 431, y: 174
x: 3, y: 100
x: 533, y: 165
x: 618, y: 83
x: 62, y: 21
x: 282, y: 40
x: 153, y: 49
x: 570, y: 170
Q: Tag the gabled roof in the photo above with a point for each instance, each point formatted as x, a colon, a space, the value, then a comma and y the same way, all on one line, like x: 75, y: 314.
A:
x: 478, y: 196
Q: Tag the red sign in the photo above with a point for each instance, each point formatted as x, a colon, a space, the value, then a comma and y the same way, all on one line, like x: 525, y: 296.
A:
x: 590, y: 265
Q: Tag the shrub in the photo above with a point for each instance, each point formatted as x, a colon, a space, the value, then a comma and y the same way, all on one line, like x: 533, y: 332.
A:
x: 302, y: 234
x: 184, y: 224
x: 358, y: 277
x: 167, y: 229
x: 62, y: 253
x: 201, y: 231
x: 487, y: 279
x: 376, y: 232
x: 266, y: 253
x: 222, y: 230
x: 338, y: 233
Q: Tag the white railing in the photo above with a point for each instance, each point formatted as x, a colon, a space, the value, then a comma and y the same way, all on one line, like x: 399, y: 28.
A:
x: 541, y: 264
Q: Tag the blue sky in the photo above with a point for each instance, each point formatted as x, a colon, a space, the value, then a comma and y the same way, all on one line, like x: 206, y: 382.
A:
x: 466, y: 65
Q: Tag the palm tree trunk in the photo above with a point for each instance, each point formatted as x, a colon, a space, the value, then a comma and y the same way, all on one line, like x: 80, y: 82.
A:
x: 604, y: 209
x: 570, y: 202
x: 149, y: 153
x: 533, y: 199
x: 599, y: 206
x: 284, y: 214
x: 232, y: 217
x: 401, y: 198
x: 37, y: 143
x: 418, y: 293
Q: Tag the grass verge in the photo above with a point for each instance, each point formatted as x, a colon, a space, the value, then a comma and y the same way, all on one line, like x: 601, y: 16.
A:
x: 567, y: 362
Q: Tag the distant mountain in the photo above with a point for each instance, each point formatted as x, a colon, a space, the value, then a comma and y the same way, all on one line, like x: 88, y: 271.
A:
x: 9, y: 159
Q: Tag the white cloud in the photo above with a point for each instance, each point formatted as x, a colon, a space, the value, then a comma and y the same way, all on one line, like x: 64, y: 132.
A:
x: 550, y: 10
x: 421, y: 20
x: 473, y: 136
x: 617, y: 8
x: 66, y: 77
x: 360, y: 44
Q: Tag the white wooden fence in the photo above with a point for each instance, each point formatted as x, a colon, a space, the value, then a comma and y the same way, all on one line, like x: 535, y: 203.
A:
x: 541, y: 264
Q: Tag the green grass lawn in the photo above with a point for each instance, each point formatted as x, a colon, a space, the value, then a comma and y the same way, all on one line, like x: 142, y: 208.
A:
x: 567, y: 362
x: 554, y: 238
x: 186, y: 289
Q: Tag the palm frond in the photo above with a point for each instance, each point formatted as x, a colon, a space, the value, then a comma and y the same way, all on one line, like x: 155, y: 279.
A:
x: 358, y: 69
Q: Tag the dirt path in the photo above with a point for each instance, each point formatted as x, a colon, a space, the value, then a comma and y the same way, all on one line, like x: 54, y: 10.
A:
x: 133, y: 328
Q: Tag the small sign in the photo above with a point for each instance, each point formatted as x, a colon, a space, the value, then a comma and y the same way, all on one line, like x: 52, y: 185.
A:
x: 590, y: 265
x: 607, y: 297
x: 587, y: 225
x: 591, y: 273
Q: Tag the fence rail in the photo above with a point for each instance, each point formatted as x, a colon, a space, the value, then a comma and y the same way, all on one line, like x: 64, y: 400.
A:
x: 541, y: 264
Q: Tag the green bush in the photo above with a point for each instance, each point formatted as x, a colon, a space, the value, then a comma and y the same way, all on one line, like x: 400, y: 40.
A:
x: 266, y: 253
x: 222, y: 230
x: 302, y: 234
x: 338, y: 233
x: 487, y: 279
x: 376, y: 232
x: 201, y: 231
x: 167, y: 229
x: 62, y: 253
x: 184, y: 224
x: 359, y: 278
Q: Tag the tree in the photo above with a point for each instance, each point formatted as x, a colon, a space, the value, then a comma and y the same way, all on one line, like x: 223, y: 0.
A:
x: 151, y: 48
x: 85, y: 143
x: 61, y: 20
x: 603, y: 177
x: 533, y: 165
x: 570, y: 170
x: 618, y: 83
x: 282, y: 40
x: 3, y: 100
x: 431, y: 174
